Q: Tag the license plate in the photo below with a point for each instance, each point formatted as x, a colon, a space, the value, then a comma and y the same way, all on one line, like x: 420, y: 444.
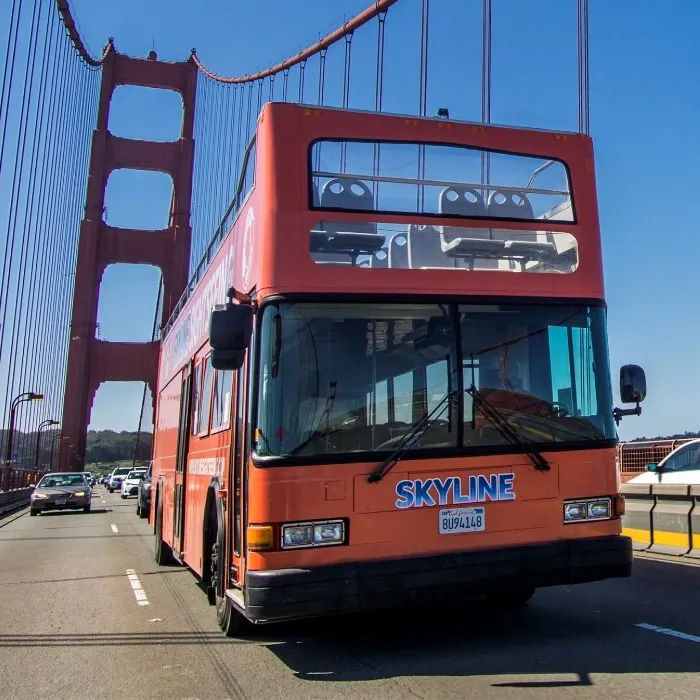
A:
x: 61, y: 501
x: 453, y: 520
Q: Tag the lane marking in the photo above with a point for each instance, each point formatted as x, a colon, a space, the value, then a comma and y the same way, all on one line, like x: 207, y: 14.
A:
x: 136, y: 586
x: 668, y: 631
x: 114, y: 528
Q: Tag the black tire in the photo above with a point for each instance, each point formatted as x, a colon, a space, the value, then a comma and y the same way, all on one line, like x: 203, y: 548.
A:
x: 123, y: 496
x: 111, y: 490
x: 138, y: 508
x: 143, y: 512
x: 163, y: 554
x: 33, y: 512
x: 512, y: 598
x: 230, y: 620
x: 86, y: 509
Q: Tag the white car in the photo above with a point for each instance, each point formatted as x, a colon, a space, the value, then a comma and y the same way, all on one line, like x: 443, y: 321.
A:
x: 130, y: 485
x: 681, y: 466
x: 118, y: 475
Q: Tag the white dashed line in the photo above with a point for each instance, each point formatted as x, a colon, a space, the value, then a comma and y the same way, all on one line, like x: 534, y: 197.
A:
x: 669, y: 632
x: 114, y: 528
x: 139, y: 593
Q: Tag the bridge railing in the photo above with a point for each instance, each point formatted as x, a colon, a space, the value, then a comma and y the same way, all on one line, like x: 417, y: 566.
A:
x: 12, y: 479
x: 633, y: 457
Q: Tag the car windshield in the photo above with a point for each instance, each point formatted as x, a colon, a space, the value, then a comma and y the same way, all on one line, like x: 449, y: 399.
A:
x: 52, y: 480
x: 121, y: 471
x: 348, y: 378
x: 135, y: 474
x: 685, y: 458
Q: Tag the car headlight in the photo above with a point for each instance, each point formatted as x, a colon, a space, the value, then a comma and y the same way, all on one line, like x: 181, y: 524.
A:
x: 320, y: 533
x: 587, y: 509
x: 39, y: 495
x: 147, y: 487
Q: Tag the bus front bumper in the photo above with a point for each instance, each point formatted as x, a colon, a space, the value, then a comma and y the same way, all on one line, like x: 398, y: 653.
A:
x: 285, y: 594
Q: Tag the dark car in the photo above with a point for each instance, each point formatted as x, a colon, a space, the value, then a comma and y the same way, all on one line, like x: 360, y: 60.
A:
x: 61, y: 490
x: 143, y: 500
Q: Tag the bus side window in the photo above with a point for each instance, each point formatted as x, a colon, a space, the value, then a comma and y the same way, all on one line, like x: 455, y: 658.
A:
x: 221, y: 409
x: 206, y: 396
x: 196, y: 391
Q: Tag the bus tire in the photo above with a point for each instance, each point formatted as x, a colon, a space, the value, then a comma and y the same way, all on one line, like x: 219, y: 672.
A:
x: 229, y: 619
x: 162, y: 554
x: 512, y: 598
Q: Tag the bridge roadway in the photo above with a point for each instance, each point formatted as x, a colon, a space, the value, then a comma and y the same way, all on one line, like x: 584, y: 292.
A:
x: 71, y: 627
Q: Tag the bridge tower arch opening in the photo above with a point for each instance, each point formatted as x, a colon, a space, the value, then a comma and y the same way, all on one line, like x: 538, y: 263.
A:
x: 91, y: 360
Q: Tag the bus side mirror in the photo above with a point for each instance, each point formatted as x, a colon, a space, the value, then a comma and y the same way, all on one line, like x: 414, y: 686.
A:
x: 633, y: 389
x: 633, y: 384
x: 230, y: 328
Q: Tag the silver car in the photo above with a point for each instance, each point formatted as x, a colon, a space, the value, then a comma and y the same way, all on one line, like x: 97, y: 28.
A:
x: 61, y: 490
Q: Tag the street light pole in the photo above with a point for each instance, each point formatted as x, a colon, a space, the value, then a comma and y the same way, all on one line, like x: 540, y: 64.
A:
x: 43, y: 424
x: 53, y: 443
x: 26, y: 396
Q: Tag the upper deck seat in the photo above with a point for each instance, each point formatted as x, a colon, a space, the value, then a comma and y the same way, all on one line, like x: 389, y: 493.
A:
x: 467, y: 243
x: 424, y: 248
x: 520, y: 245
x: 398, y: 251
x: 349, y: 238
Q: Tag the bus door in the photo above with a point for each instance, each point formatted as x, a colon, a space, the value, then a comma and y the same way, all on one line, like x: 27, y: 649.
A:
x: 236, y: 512
x: 181, y: 459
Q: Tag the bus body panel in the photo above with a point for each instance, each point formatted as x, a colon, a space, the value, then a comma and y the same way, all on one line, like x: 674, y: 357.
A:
x: 266, y: 254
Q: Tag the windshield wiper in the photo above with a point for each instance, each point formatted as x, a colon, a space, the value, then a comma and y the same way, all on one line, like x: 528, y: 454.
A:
x: 498, y: 420
x: 412, y: 437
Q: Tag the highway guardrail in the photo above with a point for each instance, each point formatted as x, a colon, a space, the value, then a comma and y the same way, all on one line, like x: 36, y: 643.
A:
x: 663, y: 518
x: 12, y: 500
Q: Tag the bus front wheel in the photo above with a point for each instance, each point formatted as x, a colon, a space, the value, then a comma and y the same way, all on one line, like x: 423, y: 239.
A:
x: 230, y: 620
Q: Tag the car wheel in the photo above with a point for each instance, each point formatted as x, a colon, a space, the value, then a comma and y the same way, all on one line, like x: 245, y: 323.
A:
x: 86, y: 509
x: 33, y: 512
x: 138, y: 508
x: 143, y: 512
x: 123, y: 496
x: 111, y: 490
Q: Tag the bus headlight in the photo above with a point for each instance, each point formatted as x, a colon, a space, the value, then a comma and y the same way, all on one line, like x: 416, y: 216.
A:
x: 587, y: 509
x: 319, y: 533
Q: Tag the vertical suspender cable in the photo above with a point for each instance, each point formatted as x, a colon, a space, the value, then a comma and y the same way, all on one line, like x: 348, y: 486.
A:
x: 302, y: 70
x: 346, y: 97
x: 583, y: 70
x: 285, y: 82
x: 378, y: 97
x: 321, y: 75
x: 486, y: 88
x: 423, y: 97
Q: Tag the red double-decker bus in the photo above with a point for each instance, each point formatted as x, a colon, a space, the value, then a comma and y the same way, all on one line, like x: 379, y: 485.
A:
x: 402, y: 391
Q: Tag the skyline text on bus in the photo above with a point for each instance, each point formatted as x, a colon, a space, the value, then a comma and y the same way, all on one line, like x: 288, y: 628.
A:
x: 477, y: 488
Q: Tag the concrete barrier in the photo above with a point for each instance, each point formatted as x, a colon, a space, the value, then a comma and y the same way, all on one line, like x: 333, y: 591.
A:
x: 670, y: 519
x: 13, y: 500
x: 663, y: 518
x: 637, y: 519
x: 695, y: 523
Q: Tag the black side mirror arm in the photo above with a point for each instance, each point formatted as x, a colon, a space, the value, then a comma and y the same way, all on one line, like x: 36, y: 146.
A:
x: 618, y: 413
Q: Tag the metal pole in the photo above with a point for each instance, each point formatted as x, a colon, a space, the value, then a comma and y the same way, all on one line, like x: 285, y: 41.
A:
x: 53, y: 443
x: 43, y: 424
x: 26, y: 396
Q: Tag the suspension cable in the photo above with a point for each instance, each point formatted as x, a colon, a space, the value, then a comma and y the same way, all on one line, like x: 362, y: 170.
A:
x: 347, y: 28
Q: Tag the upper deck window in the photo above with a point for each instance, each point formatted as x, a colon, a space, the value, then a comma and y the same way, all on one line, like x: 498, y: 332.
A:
x: 443, y: 180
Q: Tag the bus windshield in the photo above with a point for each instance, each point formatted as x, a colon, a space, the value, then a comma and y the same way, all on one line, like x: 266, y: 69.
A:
x: 350, y: 378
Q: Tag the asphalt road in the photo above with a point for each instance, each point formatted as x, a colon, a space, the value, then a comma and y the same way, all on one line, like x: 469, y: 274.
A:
x: 71, y: 627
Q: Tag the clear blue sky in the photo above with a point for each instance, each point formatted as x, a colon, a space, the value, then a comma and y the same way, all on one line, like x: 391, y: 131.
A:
x: 644, y: 116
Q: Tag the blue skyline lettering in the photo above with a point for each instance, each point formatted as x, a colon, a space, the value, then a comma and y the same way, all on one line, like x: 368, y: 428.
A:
x: 417, y: 493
